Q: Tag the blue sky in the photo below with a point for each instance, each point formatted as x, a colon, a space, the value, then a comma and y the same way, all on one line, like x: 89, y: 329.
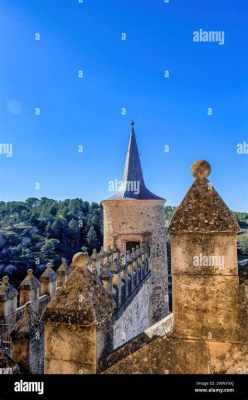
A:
x: 118, y: 74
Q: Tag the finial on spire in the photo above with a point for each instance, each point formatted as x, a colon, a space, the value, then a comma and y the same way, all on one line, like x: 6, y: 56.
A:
x: 132, y: 123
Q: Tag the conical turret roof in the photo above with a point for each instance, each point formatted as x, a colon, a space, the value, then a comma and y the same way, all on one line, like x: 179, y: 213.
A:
x: 133, y: 184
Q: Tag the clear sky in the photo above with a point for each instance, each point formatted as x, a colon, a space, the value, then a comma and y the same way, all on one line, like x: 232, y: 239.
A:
x: 122, y: 74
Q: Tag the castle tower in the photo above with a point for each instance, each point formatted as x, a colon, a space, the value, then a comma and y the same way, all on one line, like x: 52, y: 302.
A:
x: 134, y: 216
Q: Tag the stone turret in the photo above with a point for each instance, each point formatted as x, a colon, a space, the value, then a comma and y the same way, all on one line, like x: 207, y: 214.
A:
x: 27, y: 342
x: 78, y: 323
x: 62, y: 273
x: 8, y: 302
x: 204, y: 263
x: 48, y: 281
x: 134, y: 216
x: 29, y: 290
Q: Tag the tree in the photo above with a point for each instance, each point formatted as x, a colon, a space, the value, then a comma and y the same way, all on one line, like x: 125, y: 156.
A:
x: 74, y: 232
x: 2, y: 269
x: 53, y: 211
x: 32, y: 202
x: 92, y: 238
x: 57, y: 227
x: 243, y: 245
x: 10, y: 270
x: 2, y: 241
x: 49, y: 247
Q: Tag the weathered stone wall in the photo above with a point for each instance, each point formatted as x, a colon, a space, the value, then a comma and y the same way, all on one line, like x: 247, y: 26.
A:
x: 27, y: 341
x: 9, y: 311
x: 20, y: 354
x: 70, y: 349
x: 135, y: 319
x: 36, y: 353
x: 172, y: 355
x: 205, y: 297
x: 142, y: 221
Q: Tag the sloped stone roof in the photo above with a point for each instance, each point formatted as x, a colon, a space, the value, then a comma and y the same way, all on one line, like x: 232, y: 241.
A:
x: 202, y: 209
x: 63, y: 266
x: 49, y: 273
x: 30, y: 281
x: 28, y: 325
x: 81, y: 301
x: 7, y: 291
x: 7, y: 362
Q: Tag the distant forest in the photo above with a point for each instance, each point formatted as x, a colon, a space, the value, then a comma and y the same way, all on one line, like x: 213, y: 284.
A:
x: 37, y: 231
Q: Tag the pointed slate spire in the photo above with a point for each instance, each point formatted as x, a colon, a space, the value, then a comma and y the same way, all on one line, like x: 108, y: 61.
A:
x: 133, y: 170
x: 133, y: 184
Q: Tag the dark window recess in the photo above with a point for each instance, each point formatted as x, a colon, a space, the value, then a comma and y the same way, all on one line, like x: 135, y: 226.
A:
x: 130, y: 245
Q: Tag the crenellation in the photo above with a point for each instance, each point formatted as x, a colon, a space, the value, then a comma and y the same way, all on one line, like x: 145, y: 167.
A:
x: 62, y: 273
x: 116, y: 278
x: 115, y: 252
x: 109, y: 254
x: 29, y: 290
x: 130, y: 271
x: 134, y: 267
x: 107, y: 278
x: 8, y: 303
x: 125, y: 278
x: 93, y: 260
x: 48, y: 281
x: 101, y: 258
